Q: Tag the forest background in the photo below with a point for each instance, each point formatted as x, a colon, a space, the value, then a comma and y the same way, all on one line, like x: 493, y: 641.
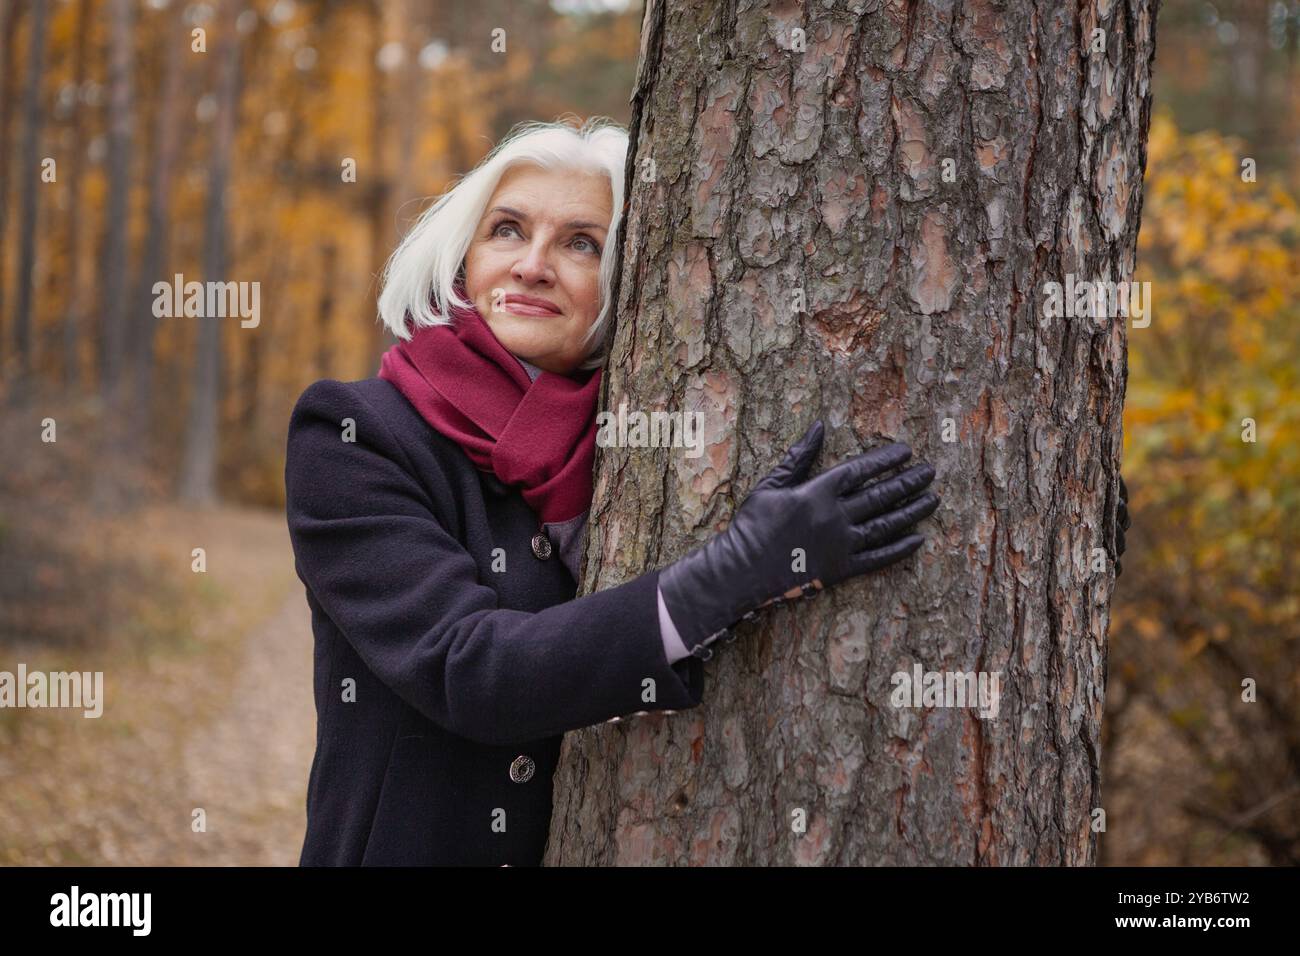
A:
x: 232, y: 162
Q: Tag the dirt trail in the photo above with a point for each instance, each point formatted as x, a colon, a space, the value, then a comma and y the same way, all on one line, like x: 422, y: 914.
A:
x: 207, y: 690
x: 248, y: 766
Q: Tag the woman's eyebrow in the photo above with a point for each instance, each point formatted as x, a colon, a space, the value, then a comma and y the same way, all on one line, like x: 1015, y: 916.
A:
x: 574, y: 224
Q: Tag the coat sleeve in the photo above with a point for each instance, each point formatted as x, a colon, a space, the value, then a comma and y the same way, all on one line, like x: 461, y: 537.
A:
x: 406, y: 595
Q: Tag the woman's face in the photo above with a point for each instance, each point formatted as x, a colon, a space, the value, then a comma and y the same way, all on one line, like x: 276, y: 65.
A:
x: 541, y: 239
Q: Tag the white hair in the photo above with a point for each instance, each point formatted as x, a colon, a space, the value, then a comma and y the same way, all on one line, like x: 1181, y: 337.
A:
x: 419, y: 277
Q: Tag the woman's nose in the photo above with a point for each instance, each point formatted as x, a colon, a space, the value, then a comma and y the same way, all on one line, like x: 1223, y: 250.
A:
x: 535, y: 265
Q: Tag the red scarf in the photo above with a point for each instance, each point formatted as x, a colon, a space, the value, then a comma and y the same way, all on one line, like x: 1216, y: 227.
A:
x: 539, y: 435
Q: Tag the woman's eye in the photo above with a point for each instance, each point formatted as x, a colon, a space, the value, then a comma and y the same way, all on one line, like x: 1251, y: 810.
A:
x: 509, y: 224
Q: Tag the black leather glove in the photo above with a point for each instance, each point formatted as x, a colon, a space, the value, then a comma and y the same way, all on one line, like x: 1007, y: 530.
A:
x: 1122, y: 524
x: 846, y: 525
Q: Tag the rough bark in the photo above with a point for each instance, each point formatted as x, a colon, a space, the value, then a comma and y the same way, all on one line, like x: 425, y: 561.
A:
x: 821, y: 171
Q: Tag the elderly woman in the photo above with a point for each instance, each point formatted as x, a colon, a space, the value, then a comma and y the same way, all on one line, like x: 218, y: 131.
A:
x: 438, y: 511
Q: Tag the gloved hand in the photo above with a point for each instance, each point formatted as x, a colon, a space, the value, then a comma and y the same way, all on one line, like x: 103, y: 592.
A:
x: 1122, y: 524
x: 846, y: 525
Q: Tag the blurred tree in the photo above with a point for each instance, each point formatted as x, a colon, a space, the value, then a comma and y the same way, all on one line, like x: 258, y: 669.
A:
x: 75, y: 167
x: 198, y: 482
x: 9, y: 21
x: 113, y: 310
x: 168, y: 123
x: 1230, y: 66
x: 30, y: 180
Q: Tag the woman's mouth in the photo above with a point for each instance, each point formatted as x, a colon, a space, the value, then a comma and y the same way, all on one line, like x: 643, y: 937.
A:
x: 524, y: 306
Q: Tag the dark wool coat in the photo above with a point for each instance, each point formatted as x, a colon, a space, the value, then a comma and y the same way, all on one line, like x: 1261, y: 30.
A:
x: 443, y: 687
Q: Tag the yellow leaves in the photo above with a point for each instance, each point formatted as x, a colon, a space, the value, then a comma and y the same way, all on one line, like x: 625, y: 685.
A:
x: 1148, y: 629
x: 1287, y: 609
x: 1247, y: 351
x: 1178, y: 400
x: 1193, y: 242
x: 1247, y: 601
x: 1135, y: 416
x: 1245, y: 337
x: 1161, y: 141
x: 1215, y: 513
x: 1190, y: 716
x: 1195, y: 644
x: 1209, y: 420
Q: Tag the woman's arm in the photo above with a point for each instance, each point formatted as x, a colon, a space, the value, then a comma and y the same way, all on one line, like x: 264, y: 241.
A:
x: 406, y: 595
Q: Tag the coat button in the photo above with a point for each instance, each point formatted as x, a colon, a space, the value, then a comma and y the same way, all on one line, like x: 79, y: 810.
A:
x: 521, y: 771
x: 541, y: 546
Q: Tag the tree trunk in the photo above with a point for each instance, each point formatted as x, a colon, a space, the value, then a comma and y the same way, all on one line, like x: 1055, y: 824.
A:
x: 325, y: 310
x: 795, y: 250
x: 9, y: 22
x: 153, y: 264
x: 198, y: 482
x: 374, y: 175
x: 74, y: 164
x: 113, y: 261
x: 30, y: 186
